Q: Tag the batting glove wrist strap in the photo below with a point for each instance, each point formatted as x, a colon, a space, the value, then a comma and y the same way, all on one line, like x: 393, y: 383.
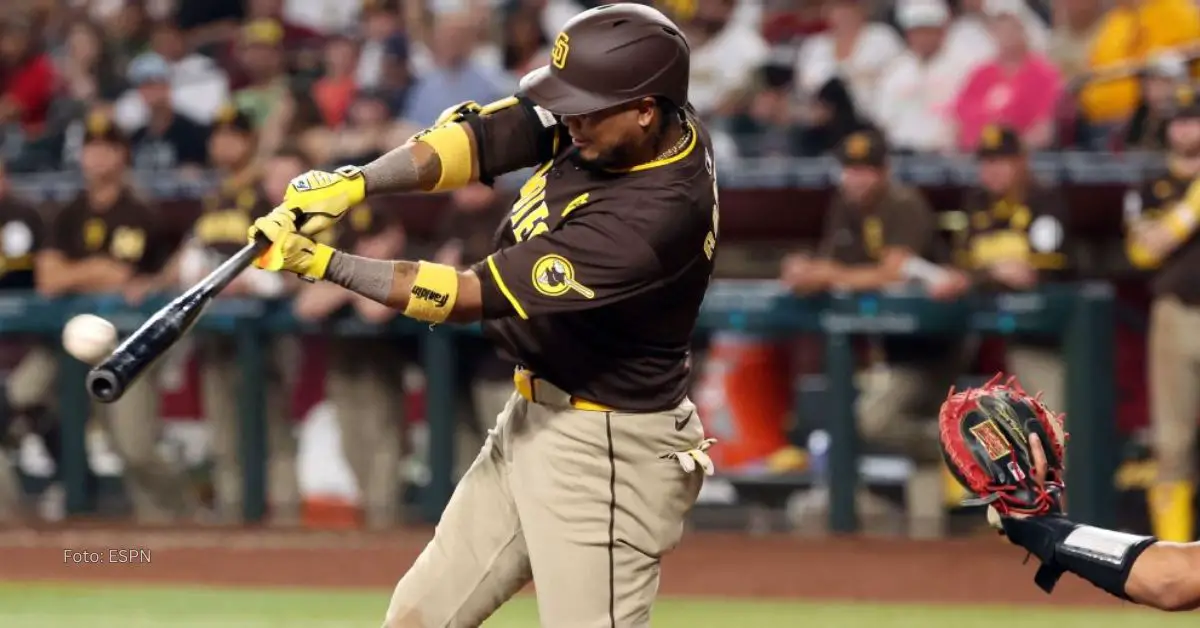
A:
x: 1102, y: 557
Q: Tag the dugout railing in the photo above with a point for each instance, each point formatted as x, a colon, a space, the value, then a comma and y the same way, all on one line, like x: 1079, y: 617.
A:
x: 1081, y: 315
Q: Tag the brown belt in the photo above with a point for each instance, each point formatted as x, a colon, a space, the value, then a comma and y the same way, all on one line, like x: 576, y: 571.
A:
x: 538, y: 390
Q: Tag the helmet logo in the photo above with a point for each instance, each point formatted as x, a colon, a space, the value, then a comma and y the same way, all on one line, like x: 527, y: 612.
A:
x: 558, y: 56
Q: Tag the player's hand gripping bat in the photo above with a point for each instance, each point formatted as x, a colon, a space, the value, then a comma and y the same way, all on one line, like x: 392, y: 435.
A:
x: 109, y: 380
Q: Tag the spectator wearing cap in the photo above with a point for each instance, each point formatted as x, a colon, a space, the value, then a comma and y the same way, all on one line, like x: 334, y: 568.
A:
x: 27, y: 78
x: 455, y: 76
x: 1075, y: 28
x: 169, y: 140
x: 853, y: 49
x: 1019, y: 89
x: 970, y: 37
x: 335, y: 90
x: 1162, y: 77
x: 725, y: 57
x: 381, y: 24
x: 1015, y: 239
x: 198, y: 86
x: 262, y: 60
x: 107, y: 240
x: 917, y: 92
x: 875, y: 230
x: 1129, y: 33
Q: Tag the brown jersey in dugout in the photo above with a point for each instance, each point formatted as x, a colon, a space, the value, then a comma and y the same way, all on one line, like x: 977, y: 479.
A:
x: 227, y: 214
x: 599, y: 275
x: 1030, y: 229
x: 128, y: 231
x: 22, y: 235
x: 1179, y: 274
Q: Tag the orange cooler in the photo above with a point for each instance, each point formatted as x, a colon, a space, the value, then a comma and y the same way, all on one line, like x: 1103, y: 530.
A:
x: 744, y: 395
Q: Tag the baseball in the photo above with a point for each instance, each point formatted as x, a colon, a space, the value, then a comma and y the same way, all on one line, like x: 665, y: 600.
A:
x: 89, y: 338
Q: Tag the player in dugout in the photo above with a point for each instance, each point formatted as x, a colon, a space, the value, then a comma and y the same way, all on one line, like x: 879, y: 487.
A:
x: 593, y: 288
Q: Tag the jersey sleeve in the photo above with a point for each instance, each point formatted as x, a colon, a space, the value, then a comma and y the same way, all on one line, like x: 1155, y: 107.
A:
x: 512, y: 134
x: 594, y: 260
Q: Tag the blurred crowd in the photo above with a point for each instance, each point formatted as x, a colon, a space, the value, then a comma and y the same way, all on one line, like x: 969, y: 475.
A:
x: 342, y: 81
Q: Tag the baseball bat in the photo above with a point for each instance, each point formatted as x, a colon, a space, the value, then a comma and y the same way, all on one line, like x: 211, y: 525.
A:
x: 109, y: 380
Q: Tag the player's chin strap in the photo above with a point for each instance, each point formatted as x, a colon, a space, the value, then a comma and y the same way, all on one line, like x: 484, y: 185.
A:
x: 1102, y: 557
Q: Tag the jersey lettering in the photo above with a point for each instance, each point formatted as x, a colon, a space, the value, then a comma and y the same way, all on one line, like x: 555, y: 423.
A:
x: 529, y: 213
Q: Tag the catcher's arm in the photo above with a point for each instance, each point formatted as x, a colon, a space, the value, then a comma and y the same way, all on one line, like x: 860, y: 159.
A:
x: 1166, y: 576
x: 1139, y: 569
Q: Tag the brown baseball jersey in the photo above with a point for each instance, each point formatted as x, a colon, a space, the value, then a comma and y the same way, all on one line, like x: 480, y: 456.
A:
x: 598, y: 275
x: 1030, y: 229
x: 22, y: 234
x: 1179, y: 274
x: 857, y: 234
x: 228, y: 212
x: 128, y: 231
x: 899, y: 217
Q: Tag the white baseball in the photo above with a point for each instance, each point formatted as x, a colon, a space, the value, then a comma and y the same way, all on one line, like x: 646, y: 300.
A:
x: 89, y: 338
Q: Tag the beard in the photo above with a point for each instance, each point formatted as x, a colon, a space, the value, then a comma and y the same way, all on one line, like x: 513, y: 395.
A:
x: 611, y: 159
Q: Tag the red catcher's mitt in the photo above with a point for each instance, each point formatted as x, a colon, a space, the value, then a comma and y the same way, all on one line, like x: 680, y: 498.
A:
x: 985, y: 441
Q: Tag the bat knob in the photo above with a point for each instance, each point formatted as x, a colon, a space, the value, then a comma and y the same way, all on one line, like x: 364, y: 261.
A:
x: 104, y: 386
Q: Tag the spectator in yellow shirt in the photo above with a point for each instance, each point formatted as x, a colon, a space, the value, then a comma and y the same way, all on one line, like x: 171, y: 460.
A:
x: 1130, y: 33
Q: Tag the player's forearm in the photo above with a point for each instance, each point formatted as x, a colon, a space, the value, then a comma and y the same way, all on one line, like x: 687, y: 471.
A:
x: 443, y: 159
x: 96, y: 274
x: 861, y: 278
x: 413, y: 167
x: 1166, y: 576
x: 392, y: 283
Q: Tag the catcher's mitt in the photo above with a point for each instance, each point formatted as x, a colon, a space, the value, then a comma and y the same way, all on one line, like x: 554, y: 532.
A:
x: 985, y: 441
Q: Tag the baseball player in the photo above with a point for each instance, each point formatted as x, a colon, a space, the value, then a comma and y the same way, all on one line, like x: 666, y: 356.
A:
x: 593, y: 289
x: 1000, y: 439
x: 1162, y: 215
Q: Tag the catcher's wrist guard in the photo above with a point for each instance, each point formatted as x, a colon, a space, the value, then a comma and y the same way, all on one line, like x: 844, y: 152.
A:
x: 1102, y: 557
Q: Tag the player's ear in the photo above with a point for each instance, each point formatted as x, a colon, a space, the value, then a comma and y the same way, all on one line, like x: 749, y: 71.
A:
x: 647, y: 111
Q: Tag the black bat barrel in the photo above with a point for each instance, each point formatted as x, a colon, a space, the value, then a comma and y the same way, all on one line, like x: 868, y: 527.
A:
x: 109, y: 380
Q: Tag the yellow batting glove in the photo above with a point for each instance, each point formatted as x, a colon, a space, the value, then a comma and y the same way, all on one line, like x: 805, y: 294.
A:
x: 323, y: 197
x: 290, y: 250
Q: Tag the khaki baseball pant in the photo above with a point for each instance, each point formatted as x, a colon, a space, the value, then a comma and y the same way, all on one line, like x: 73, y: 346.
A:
x: 10, y: 489
x: 220, y: 382
x: 897, y: 411
x: 365, y: 385
x: 158, y: 491
x: 581, y: 502
x: 488, y: 399
x: 1174, y: 391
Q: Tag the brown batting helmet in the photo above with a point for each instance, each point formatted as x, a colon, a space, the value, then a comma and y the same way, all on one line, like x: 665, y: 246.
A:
x: 609, y: 55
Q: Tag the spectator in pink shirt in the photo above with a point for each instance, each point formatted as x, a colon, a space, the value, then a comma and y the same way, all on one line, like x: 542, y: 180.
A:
x: 1018, y: 88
